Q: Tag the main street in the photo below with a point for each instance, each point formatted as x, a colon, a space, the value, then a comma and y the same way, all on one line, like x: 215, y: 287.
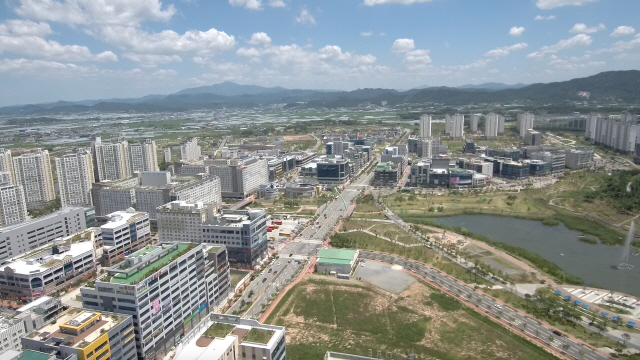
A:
x: 490, y: 306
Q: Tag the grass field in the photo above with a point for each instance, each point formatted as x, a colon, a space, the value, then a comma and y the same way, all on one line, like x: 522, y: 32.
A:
x: 325, y: 314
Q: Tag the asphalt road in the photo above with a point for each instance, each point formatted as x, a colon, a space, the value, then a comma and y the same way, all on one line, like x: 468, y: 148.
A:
x: 282, y: 272
x: 490, y: 306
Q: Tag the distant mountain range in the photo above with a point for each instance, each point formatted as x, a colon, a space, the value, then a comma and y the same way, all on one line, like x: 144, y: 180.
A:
x: 612, y: 85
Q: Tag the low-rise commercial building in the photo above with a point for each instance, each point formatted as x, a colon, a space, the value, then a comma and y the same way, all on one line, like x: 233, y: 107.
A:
x: 538, y: 167
x: 29, y: 235
x: 514, y: 170
x: 333, y: 171
x: 238, y: 338
x: 420, y: 173
x: 301, y: 189
x: 532, y: 137
x: 46, y: 306
x: 268, y: 191
x: 387, y: 174
x: 47, y: 269
x: 179, y: 221
x: 240, y: 177
x: 342, y: 261
x: 168, y: 289
x: 125, y: 232
x: 243, y: 232
x: 579, y: 158
x: 557, y: 159
x: 87, y: 335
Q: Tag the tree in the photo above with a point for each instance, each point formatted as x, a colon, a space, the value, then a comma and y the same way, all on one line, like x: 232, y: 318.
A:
x: 565, y: 347
x: 551, y: 338
x: 626, y: 338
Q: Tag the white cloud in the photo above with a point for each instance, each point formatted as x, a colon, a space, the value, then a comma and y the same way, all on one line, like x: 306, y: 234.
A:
x: 581, y: 28
x: 506, y: 50
x: 96, y: 12
x: 165, y: 73
x: 381, y: 2
x: 574, y: 63
x: 579, y: 40
x: 168, y: 42
x: 306, y: 18
x: 256, y: 4
x: 540, y: 17
x: 152, y: 60
x: 42, y: 68
x: 417, y: 57
x: 366, y: 33
x: 26, y: 38
x: 623, y: 31
x: 260, y: 38
x: 516, y: 31
x: 24, y: 28
x: 551, y: 4
x: 621, y: 46
x: 403, y: 45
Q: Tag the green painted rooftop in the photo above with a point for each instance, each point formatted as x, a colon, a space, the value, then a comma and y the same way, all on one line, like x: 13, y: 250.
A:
x: 33, y: 355
x: 334, y: 261
x: 339, y: 254
x: 158, y: 264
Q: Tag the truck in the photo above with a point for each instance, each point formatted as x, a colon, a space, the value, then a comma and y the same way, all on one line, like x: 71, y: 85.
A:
x: 277, y: 222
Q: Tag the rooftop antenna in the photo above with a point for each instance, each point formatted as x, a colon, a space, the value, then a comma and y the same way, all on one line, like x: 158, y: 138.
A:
x: 627, y: 248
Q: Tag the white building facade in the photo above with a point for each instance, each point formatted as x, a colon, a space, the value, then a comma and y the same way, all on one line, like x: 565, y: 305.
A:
x: 111, y: 160
x: 33, y: 172
x: 75, y: 177
x: 143, y: 156
x: 13, y: 206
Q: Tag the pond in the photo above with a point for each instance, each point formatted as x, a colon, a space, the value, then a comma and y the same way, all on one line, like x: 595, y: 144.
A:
x: 595, y: 264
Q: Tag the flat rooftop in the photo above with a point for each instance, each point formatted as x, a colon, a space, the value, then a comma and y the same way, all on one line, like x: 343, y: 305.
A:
x: 120, y: 218
x: 337, y: 254
x: 75, y: 317
x: 142, y: 272
x: 27, y: 266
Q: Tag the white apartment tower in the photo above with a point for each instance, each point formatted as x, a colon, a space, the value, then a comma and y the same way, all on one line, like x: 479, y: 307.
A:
x: 524, y: 123
x: 166, y: 152
x: 457, y: 126
x: 491, y: 126
x: 75, y: 177
x: 592, y: 124
x: 13, y: 206
x: 33, y: 172
x: 425, y: 126
x: 473, y: 123
x: 143, y: 156
x: 500, y: 124
x: 190, y: 150
x: 111, y: 160
x: 6, y: 163
x: 448, y: 124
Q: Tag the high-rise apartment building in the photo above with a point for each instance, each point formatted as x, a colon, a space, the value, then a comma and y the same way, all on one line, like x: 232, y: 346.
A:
x: 592, y: 123
x: 143, y: 156
x: 620, y: 136
x: 473, y: 122
x: 448, y: 124
x: 190, y: 150
x: 168, y: 289
x: 13, y: 206
x: 111, y: 160
x: 457, y: 126
x: 33, y: 172
x: 500, y: 124
x: 166, y: 152
x: 425, y: 126
x: 239, y: 177
x: 75, y: 177
x: 524, y: 122
x: 491, y: 126
x: 6, y: 163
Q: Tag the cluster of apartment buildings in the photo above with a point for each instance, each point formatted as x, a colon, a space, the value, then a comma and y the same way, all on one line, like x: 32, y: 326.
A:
x: 621, y: 135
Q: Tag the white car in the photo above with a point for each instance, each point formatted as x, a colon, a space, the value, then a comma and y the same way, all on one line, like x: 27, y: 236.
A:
x: 498, y: 306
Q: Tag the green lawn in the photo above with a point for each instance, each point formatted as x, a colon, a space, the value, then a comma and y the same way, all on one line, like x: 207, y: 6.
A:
x: 325, y: 314
x: 218, y: 330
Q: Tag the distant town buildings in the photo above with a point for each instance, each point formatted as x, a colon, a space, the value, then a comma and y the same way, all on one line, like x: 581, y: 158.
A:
x: 618, y: 135
x: 33, y: 173
x: 111, y: 160
x: 75, y: 177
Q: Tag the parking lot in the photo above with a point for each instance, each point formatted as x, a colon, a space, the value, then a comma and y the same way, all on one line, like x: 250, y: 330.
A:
x: 388, y: 277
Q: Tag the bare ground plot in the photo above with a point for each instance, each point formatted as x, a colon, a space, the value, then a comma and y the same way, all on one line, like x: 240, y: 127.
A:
x: 325, y: 314
x: 390, y: 278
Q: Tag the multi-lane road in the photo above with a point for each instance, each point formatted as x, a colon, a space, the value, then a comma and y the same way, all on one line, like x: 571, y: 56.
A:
x: 490, y: 306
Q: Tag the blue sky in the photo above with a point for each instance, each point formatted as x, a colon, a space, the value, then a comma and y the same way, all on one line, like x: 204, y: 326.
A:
x: 54, y: 50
